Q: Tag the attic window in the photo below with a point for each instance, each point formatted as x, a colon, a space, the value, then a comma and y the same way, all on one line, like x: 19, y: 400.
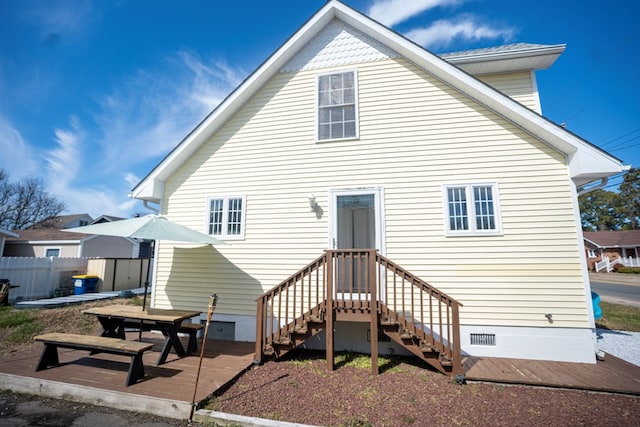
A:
x: 337, y: 106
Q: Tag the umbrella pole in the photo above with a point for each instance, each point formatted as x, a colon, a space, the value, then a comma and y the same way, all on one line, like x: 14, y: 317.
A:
x: 213, y: 299
x: 144, y: 298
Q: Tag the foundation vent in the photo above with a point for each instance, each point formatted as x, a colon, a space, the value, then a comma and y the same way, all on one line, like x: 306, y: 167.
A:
x: 483, y: 339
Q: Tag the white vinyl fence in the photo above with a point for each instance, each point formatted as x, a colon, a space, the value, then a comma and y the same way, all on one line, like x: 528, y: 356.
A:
x: 39, y: 277
x: 607, y: 264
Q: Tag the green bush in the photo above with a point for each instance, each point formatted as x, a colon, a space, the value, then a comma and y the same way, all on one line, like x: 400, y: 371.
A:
x: 629, y: 270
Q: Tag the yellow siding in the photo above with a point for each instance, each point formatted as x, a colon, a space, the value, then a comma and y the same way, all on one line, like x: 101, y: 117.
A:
x: 517, y: 85
x: 416, y: 134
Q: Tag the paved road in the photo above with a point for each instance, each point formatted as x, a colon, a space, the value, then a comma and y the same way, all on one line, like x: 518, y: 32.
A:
x: 617, y: 293
x: 22, y: 410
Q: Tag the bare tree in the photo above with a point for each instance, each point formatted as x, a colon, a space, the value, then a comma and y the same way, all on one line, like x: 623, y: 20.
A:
x: 25, y: 203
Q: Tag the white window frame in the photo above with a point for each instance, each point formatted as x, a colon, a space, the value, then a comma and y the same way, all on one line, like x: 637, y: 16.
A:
x: 355, y: 104
x: 471, y: 211
x: 52, y: 248
x: 224, y: 235
x: 592, y: 253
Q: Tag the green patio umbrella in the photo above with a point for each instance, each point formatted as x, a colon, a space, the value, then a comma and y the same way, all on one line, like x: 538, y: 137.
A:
x: 149, y: 227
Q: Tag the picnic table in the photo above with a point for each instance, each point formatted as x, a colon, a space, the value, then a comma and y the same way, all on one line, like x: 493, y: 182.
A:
x: 114, y: 318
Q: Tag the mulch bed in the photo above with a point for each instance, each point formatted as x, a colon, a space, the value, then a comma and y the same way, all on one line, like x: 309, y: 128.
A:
x: 408, y: 394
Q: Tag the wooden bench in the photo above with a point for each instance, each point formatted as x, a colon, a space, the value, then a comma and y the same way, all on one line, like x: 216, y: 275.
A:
x: 94, y: 344
x: 185, y: 328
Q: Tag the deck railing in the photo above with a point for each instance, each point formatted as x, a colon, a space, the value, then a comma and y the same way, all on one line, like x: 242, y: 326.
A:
x: 358, y: 281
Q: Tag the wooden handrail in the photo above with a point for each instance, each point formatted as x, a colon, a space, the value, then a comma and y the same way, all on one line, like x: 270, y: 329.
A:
x: 365, y: 281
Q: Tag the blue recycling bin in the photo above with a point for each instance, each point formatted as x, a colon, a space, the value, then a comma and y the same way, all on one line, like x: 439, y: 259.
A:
x: 84, y: 283
x: 595, y: 300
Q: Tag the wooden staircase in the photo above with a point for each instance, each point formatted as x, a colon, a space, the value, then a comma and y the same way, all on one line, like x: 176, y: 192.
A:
x: 360, y: 286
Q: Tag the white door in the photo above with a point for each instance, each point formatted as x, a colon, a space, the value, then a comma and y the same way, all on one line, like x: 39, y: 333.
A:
x: 356, y: 216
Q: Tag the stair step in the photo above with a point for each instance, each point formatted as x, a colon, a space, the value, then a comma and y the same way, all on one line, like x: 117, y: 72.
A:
x: 268, y: 351
x: 406, y: 335
x: 282, y: 341
x: 316, y: 319
x: 300, y: 329
x: 446, y: 362
x: 388, y: 322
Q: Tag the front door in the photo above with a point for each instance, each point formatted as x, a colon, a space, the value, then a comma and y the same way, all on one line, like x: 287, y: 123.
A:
x: 356, y: 224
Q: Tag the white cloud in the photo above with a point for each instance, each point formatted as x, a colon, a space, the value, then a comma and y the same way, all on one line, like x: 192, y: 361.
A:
x: 443, y: 32
x: 64, y: 160
x: 22, y: 162
x: 392, y: 12
x: 138, y: 123
x: 152, y: 111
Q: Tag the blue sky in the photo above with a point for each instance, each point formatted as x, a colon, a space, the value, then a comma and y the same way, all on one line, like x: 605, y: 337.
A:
x: 93, y: 94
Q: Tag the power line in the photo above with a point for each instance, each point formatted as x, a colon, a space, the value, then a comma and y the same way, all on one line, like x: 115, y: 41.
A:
x: 622, y: 136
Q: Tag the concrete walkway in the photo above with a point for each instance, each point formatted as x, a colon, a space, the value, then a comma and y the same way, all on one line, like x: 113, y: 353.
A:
x: 77, y: 299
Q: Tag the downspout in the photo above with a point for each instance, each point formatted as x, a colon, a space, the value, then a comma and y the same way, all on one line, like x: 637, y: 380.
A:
x: 603, y: 182
x: 585, y: 268
x: 145, y: 203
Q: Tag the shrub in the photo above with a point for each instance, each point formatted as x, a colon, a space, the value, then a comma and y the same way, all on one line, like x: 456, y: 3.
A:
x: 629, y: 270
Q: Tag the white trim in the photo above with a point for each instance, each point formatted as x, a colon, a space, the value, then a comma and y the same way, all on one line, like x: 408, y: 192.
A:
x: 55, y: 248
x: 543, y: 343
x: 472, y: 231
x: 355, y: 100
x: 536, y: 94
x: 378, y: 193
x: 225, y: 210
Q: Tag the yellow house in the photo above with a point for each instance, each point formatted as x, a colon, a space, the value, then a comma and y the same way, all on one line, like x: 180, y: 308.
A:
x: 440, y: 169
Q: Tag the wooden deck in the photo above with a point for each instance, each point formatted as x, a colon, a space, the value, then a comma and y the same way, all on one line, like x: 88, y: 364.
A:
x: 612, y: 375
x: 167, y: 390
x: 101, y: 377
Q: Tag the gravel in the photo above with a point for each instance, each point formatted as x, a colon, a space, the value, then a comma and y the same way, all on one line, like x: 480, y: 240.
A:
x: 622, y: 344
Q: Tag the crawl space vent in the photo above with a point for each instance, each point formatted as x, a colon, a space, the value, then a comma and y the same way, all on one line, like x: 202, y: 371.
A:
x: 483, y: 339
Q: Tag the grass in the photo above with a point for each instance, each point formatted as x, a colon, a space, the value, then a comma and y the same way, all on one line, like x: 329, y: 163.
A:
x: 19, y: 326
x: 619, y: 317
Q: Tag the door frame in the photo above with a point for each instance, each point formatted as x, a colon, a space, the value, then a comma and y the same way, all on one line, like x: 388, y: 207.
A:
x: 378, y: 197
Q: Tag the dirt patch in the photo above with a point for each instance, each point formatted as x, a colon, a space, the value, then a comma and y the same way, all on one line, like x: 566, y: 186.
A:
x: 62, y: 319
x: 409, y: 394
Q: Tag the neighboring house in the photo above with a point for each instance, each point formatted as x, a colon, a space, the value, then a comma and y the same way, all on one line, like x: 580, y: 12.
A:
x: 3, y: 235
x: 621, y: 245
x: 64, y: 221
x: 49, y: 242
x: 352, y: 137
x: 46, y: 239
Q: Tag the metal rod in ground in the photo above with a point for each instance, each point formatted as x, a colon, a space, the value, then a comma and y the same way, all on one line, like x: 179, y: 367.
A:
x: 213, y: 300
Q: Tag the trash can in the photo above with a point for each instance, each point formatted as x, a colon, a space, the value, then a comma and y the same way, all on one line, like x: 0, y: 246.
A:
x: 595, y: 300
x: 84, y: 283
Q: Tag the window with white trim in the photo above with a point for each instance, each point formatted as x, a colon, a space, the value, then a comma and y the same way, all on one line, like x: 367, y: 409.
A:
x: 226, y: 217
x: 592, y: 253
x: 472, y: 209
x: 337, y: 106
x: 52, y: 252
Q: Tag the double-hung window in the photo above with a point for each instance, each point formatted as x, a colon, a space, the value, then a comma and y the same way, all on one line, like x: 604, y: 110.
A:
x: 337, y: 106
x: 226, y: 217
x: 472, y: 209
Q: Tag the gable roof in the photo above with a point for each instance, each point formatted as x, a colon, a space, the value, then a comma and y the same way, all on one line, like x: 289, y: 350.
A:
x: 587, y: 163
x: 106, y: 218
x: 506, y: 58
x: 47, y: 234
x: 613, y: 239
x: 7, y: 233
x: 61, y: 221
